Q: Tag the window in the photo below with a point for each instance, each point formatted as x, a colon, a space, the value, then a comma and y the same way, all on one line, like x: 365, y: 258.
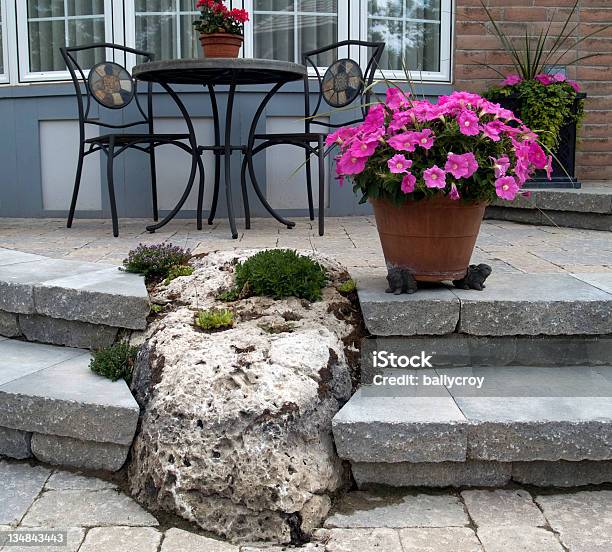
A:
x: 164, y: 27
x: 3, y: 44
x: 45, y: 25
x: 416, y: 33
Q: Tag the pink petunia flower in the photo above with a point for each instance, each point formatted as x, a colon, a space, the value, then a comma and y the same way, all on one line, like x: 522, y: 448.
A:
x: 349, y: 164
x: 408, y: 183
x: 361, y: 148
x: 549, y: 167
x: 468, y: 123
x: 545, y: 79
x: 574, y: 85
x: 511, y: 80
x: 506, y: 187
x: 425, y: 138
x: 461, y: 166
x: 434, y: 177
x: 396, y: 98
x: 537, y: 157
x: 454, y: 193
x: 341, y: 136
x: 493, y: 130
x: 406, y: 141
x: 399, y: 164
x: 500, y: 166
x: 559, y: 77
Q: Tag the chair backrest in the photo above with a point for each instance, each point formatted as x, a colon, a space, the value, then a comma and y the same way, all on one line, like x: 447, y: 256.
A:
x: 108, y: 84
x: 343, y: 83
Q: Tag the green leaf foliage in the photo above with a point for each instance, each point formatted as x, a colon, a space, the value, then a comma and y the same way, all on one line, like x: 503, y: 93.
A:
x: 115, y: 362
x: 214, y: 319
x: 177, y: 271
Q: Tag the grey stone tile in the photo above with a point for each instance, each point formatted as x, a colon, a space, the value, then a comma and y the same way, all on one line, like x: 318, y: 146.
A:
x: 80, y: 508
x: 362, y: 540
x: 427, y: 312
x: 70, y: 333
x: 21, y: 484
x: 528, y: 539
x: 73, y: 538
x: 447, y: 539
x: 400, y: 429
x: 18, y: 358
x: 361, y: 509
x: 503, y: 508
x: 583, y: 520
x: 602, y: 280
x: 68, y: 399
x: 121, y: 539
x: 562, y: 474
x: 15, y: 443
x: 9, y: 257
x: 177, y: 540
x: 534, y: 304
x: 69, y: 481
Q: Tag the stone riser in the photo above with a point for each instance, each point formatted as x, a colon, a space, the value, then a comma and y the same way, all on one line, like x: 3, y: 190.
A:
x: 559, y: 474
x: 464, y: 350
x: 568, y: 219
x: 69, y: 333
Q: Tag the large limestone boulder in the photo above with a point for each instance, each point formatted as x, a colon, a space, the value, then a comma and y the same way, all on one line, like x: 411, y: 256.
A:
x: 236, y: 426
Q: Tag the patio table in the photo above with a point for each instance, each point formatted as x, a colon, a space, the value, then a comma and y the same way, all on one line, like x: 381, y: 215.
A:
x: 212, y: 73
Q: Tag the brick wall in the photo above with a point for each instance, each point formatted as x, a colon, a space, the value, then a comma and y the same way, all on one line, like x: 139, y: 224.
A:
x: 476, y: 44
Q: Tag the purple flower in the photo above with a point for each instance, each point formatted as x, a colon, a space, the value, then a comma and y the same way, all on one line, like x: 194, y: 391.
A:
x: 511, y: 80
x: 506, y: 187
x: 399, y: 164
x: 468, y: 123
x: 434, y: 177
x: 408, y: 183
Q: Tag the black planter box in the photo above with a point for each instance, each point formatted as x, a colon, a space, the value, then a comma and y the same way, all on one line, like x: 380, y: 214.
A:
x: 566, y: 154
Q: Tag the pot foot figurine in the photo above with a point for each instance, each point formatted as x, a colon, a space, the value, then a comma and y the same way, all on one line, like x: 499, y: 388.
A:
x: 475, y: 277
x: 400, y: 281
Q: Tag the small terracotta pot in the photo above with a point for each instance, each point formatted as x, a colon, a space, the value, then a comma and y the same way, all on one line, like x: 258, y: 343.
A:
x: 221, y: 45
x: 432, y: 238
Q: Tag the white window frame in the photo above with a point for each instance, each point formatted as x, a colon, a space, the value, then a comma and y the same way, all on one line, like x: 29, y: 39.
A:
x: 5, y: 75
x: 25, y: 75
x: 446, y: 46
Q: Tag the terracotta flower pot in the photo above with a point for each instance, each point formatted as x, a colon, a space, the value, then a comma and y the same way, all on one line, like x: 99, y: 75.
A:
x: 432, y: 238
x: 221, y: 45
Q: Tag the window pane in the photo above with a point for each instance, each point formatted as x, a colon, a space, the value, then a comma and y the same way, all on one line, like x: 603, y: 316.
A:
x: 157, y: 34
x: 295, y: 26
x: 410, y: 30
x: 2, y: 71
x: 55, y: 23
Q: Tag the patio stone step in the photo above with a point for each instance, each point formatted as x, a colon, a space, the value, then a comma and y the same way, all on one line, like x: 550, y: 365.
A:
x: 511, y: 305
x: 53, y: 407
x: 521, y: 417
x: 589, y: 207
x: 71, y: 303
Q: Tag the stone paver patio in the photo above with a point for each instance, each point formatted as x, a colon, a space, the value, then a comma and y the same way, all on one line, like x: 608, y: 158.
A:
x: 353, y: 241
x: 99, y: 517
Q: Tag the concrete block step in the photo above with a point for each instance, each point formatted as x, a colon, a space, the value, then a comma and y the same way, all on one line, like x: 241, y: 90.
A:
x: 461, y: 419
x: 52, y: 406
x: 511, y: 305
x: 91, y: 301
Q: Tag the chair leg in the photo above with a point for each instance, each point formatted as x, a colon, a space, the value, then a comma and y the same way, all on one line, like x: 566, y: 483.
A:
x: 215, y: 199
x: 245, y: 193
x: 321, y: 155
x: 154, y: 183
x: 200, y: 191
x: 111, y: 186
x: 309, y: 186
x: 77, y: 185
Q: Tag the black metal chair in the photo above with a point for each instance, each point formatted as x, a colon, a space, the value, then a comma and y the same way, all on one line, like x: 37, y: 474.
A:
x: 343, y: 84
x: 112, y: 86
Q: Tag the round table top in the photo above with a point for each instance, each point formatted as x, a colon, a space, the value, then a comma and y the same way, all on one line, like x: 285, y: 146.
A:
x: 219, y: 71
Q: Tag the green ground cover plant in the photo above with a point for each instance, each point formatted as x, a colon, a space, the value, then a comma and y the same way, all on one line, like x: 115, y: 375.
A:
x: 155, y: 262
x: 214, y: 319
x: 115, y: 362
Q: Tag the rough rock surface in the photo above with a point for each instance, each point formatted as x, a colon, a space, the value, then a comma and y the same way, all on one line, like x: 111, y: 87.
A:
x: 236, y: 427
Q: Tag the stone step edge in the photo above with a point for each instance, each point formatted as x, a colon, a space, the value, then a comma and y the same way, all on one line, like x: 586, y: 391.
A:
x: 586, y: 200
x: 80, y: 291
x: 559, y: 474
x: 62, y: 451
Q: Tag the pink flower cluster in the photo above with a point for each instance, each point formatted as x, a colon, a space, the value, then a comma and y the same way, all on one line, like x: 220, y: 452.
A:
x: 543, y: 78
x: 420, y: 146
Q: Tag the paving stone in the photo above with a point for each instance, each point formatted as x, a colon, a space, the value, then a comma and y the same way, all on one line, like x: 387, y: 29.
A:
x: 121, y: 539
x: 528, y: 539
x: 89, y: 455
x: 400, y: 429
x: 15, y: 443
x: 70, y: 333
x: 602, y: 280
x: 532, y: 304
x: 427, y: 312
x: 430, y: 474
x: 362, y: 540
x: 86, y: 509
x: 10, y: 256
x: 9, y: 324
x: 66, y: 481
x: 562, y: 474
x: 447, y: 539
x: 21, y: 484
x: 109, y: 296
x: 397, y: 510
x: 583, y: 520
x: 65, y: 399
x: 73, y: 538
x: 177, y: 540
x: 499, y: 508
